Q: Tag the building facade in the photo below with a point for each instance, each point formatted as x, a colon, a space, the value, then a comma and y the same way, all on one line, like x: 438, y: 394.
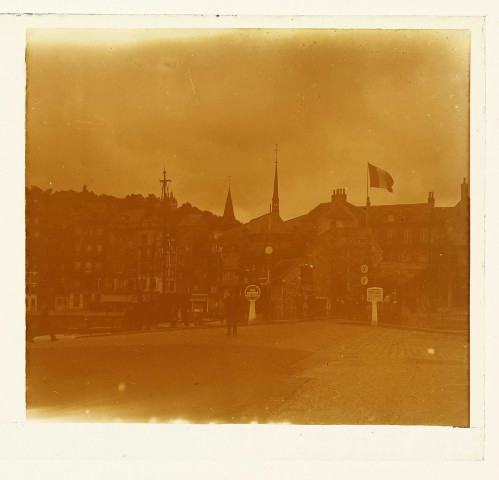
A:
x: 98, y: 253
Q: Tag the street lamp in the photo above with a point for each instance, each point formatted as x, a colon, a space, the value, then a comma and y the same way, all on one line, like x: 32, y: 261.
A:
x: 269, y: 251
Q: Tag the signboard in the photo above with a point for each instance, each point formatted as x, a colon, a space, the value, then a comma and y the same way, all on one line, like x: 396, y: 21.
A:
x: 252, y: 292
x: 364, y: 269
x: 364, y: 281
x: 375, y: 294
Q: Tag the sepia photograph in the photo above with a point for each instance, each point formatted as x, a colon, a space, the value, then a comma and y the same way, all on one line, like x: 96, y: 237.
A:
x: 248, y: 225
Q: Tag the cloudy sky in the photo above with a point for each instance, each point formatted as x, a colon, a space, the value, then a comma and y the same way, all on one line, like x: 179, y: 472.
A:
x: 110, y: 108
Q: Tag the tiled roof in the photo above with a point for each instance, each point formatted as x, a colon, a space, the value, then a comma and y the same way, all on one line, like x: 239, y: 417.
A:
x: 260, y: 225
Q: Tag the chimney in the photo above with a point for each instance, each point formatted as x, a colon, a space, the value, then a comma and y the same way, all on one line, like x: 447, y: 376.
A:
x: 339, y: 195
x: 431, y: 199
x: 464, y: 191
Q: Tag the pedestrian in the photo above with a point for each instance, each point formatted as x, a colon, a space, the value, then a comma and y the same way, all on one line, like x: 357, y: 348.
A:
x: 231, y: 313
x: 187, y: 315
x: 48, y: 323
x: 30, y: 328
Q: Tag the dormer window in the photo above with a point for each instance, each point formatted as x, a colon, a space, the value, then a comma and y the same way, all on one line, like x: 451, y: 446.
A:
x: 391, y: 217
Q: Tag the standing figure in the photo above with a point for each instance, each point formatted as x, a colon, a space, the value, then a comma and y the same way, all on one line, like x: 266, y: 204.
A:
x: 48, y: 323
x: 231, y: 310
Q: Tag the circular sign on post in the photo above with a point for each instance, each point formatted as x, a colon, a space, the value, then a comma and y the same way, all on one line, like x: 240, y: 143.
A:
x: 364, y: 269
x: 363, y: 281
x: 252, y: 292
x: 269, y: 250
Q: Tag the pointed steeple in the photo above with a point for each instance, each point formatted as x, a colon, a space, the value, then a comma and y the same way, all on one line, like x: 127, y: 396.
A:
x: 229, y: 217
x: 275, y: 196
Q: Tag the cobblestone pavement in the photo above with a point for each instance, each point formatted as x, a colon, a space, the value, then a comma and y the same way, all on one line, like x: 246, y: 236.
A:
x: 319, y: 372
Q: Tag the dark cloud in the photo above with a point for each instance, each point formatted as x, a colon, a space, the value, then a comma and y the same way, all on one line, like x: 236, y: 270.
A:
x: 109, y: 109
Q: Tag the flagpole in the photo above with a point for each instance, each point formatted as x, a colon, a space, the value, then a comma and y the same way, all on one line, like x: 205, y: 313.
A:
x: 367, y: 190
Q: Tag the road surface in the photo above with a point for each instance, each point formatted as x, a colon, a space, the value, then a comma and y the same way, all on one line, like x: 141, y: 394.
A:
x: 318, y: 372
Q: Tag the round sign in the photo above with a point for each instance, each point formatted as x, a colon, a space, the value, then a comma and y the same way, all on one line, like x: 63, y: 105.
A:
x: 252, y: 292
x: 269, y: 250
x: 363, y: 281
x: 364, y: 268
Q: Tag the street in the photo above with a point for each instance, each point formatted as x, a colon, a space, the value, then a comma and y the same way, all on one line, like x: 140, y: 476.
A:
x: 317, y: 372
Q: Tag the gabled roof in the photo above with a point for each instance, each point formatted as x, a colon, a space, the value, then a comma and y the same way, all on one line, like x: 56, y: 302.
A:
x: 414, y: 212
x: 333, y: 210
x: 260, y: 225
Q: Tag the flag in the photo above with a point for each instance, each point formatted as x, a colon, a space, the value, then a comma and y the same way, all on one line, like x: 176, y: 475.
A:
x: 379, y: 178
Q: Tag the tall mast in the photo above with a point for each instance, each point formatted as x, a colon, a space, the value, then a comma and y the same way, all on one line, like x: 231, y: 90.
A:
x: 165, y: 193
x: 275, y: 196
x: 368, y: 201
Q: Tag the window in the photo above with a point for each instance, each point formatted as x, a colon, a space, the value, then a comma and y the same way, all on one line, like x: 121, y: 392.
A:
x: 99, y: 248
x: 407, y: 235
x: 407, y: 257
x: 76, y: 300
x: 88, y: 267
x: 89, y: 247
x: 153, y: 284
x: 423, y: 235
x: 77, y: 266
x: 143, y: 239
x: 98, y: 267
x: 389, y: 236
x: 340, y: 223
x: 391, y: 217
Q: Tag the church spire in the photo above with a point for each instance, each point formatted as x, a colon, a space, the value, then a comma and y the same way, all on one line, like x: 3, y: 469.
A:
x: 275, y: 196
x: 229, y: 217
